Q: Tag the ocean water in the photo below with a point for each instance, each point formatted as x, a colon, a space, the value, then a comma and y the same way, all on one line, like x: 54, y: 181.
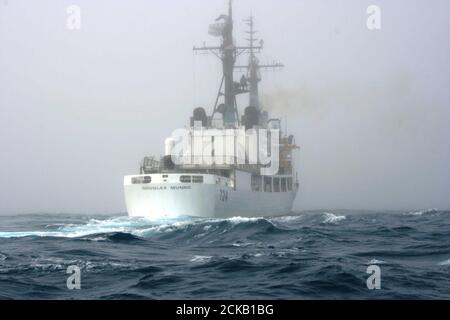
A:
x: 310, y: 255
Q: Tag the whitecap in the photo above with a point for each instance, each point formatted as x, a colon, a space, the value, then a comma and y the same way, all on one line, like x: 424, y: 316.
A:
x: 201, y: 259
x: 89, y: 265
x: 47, y: 266
x: 445, y: 263
x: 98, y: 239
x: 165, y: 228
x: 375, y: 261
x: 286, y: 219
x: 237, y: 220
x: 332, y: 218
x: 419, y: 213
x: 243, y: 244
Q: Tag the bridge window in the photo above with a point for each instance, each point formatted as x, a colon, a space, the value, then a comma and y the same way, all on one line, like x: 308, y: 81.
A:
x: 185, y: 179
x: 267, y: 184
x: 141, y: 180
x: 256, y: 183
x: 283, y: 185
x: 276, y: 184
x: 289, y: 184
x: 197, y: 179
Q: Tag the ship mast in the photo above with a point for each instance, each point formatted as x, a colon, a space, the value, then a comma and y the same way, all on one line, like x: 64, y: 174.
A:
x: 254, y: 75
x: 254, y: 68
x: 229, y: 59
x: 228, y: 53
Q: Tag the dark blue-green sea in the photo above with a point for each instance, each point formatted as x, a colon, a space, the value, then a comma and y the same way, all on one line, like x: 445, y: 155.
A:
x: 308, y: 255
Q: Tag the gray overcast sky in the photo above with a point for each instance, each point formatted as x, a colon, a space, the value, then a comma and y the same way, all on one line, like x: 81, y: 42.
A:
x: 79, y: 109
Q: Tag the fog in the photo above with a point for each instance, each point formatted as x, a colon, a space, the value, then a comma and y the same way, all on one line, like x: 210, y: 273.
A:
x: 80, y: 108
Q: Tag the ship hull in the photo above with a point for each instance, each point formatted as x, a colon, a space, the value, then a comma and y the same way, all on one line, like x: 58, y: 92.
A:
x: 214, y: 198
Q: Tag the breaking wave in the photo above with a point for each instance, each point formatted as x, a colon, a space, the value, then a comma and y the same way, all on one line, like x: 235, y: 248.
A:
x: 331, y: 218
x: 133, y: 229
x: 123, y: 225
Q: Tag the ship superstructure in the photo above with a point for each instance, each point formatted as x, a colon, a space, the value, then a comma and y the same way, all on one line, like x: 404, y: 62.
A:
x: 224, y: 164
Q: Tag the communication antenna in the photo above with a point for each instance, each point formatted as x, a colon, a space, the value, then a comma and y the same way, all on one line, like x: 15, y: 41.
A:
x: 253, y: 67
